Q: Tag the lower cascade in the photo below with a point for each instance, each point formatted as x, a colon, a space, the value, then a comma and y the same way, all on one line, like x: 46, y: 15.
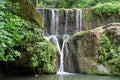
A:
x: 59, y: 26
x: 55, y: 40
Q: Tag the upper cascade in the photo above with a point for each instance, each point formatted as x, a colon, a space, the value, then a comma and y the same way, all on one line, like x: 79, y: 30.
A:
x: 60, y: 22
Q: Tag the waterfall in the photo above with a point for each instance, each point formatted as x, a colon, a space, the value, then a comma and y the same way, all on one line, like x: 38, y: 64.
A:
x: 57, y: 20
x: 66, y: 21
x: 55, y: 41
x: 52, y: 22
x: 77, y: 20
x: 80, y: 19
x: 58, y: 28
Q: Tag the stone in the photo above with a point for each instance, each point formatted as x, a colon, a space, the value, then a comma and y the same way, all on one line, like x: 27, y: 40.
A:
x: 28, y: 12
x: 81, y: 53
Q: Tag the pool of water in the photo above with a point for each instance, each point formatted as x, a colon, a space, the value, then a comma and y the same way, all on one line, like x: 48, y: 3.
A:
x: 61, y: 77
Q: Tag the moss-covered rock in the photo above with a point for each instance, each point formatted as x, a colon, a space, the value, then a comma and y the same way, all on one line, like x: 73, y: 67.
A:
x: 82, y: 50
x: 28, y: 12
x: 109, y: 48
x: 86, y: 55
x: 41, y: 58
x: 91, y: 20
x: 30, y: 53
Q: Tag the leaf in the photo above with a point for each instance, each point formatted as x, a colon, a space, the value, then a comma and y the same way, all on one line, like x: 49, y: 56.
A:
x: 2, y: 13
x: 3, y: 45
x: 2, y: 3
x: 17, y: 54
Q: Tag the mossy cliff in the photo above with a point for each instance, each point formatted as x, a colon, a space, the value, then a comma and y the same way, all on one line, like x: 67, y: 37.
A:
x: 23, y: 47
x: 91, y: 20
x: 28, y: 12
x: 95, y: 51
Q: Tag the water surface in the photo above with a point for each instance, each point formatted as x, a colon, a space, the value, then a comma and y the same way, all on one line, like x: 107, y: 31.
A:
x: 61, y: 77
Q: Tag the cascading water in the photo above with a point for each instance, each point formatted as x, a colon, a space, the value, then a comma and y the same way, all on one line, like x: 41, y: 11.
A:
x: 65, y: 39
x: 80, y: 19
x: 60, y: 26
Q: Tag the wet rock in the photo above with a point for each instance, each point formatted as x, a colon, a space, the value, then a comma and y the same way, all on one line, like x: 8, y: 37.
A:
x: 81, y: 53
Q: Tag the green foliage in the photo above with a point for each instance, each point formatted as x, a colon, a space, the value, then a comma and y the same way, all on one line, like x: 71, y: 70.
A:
x: 109, y: 55
x: 65, y: 3
x: 106, y: 8
x: 18, y: 36
x: 46, y: 3
x: 44, y: 56
x: 90, y: 72
x: 62, y: 11
x: 12, y: 31
x: 71, y: 3
x: 83, y: 3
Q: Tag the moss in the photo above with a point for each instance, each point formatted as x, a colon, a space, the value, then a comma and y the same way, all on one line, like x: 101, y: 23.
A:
x: 80, y: 33
x: 89, y: 17
x: 117, y: 17
x: 91, y: 72
x: 74, y: 9
x: 61, y: 11
x: 28, y: 12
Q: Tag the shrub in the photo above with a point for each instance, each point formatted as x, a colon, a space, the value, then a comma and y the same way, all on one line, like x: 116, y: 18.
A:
x: 106, y: 8
x: 109, y: 54
x: 19, y: 36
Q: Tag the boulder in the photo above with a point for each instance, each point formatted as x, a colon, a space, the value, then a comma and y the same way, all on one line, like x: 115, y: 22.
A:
x: 27, y: 11
x: 81, y: 52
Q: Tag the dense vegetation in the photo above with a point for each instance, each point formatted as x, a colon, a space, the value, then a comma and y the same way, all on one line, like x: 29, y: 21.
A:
x: 21, y: 37
x: 13, y: 30
x: 68, y: 3
x: 106, y: 8
x: 109, y: 53
x: 99, y: 7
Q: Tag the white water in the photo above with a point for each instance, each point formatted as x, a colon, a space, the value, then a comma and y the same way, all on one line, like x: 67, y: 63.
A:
x: 65, y: 40
x: 55, y: 41
x: 51, y: 18
x: 77, y: 20
x: 80, y: 19
x: 52, y: 26
x: 57, y: 21
x: 66, y: 20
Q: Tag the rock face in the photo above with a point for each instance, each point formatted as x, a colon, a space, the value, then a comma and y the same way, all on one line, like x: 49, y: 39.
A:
x: 28, y: 12
x: 91, y: 21
x: 69, y: 21
x: 81, y: 54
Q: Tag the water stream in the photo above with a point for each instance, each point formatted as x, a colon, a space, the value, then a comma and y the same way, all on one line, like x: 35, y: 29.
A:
x: 59, y: 26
